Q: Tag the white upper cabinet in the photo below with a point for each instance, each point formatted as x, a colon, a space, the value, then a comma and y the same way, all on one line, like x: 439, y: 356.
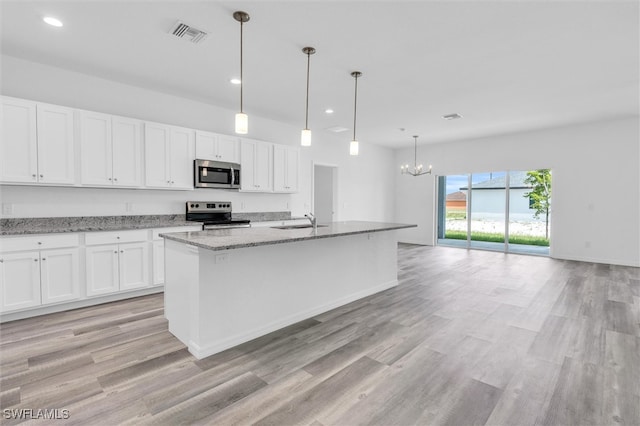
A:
x: 111, y: 150
x: 18, y: 148
x: 211, y: 146
x: 169, y: 155
x: 56, y: 155
x: 285, y: 168
x: 96, y: 149
x: 126, y: 137
x: 256, y: 159
x: 37, y: 143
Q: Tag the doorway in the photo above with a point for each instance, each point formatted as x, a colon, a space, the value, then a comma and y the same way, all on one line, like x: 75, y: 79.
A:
x: 325, y: 181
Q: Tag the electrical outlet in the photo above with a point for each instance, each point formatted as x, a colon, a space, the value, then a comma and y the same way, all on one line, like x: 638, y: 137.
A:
x: 7, y: 209
x: 222, y: 258
x: 128, y: 207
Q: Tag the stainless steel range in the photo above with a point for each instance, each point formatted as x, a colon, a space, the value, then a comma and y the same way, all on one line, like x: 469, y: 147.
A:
x: 214, y: 214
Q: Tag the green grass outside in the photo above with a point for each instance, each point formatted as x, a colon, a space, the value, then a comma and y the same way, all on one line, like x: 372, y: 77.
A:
x: 456, y: 215
x: 498, y: 238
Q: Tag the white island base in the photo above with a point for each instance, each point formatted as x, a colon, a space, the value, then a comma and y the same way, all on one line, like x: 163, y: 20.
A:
x: 217, y: 299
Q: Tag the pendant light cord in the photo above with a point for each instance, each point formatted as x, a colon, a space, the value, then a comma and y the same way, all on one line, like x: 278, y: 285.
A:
x: 306, y: 116
x: 241, y: 76
x: 355, y: 108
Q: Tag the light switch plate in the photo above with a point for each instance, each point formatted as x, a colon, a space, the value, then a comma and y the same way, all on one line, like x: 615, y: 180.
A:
x: 7, y: 209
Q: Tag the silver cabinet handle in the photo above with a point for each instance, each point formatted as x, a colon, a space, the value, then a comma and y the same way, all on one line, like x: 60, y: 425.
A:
x: 121, y: 251
x: 33, y: 176
x: 35, y: 260
x: 39, y: 243
x: 115, y: 179
x: 41, y: 176
x: 115, y: 252
x: 118, y: 237
x: 109, y: 178
x: 1, y: 260
x: 44, y: 258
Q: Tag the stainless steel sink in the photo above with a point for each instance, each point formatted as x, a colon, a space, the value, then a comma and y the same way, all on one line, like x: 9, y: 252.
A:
x: 297, y: 226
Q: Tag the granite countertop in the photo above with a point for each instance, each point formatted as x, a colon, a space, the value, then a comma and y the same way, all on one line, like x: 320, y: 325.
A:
x: 226, y: 239
x: 50, y: 225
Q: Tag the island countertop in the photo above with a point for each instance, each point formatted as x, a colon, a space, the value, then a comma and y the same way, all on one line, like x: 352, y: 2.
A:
x: 227, y: 239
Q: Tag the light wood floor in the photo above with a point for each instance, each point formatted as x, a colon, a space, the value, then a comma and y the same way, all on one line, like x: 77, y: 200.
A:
x: 468, y: 337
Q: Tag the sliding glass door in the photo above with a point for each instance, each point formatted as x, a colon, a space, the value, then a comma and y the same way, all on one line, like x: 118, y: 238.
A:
x: 503, y: 211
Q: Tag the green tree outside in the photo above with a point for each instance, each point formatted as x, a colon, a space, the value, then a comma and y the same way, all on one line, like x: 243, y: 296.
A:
x: 540, y: 195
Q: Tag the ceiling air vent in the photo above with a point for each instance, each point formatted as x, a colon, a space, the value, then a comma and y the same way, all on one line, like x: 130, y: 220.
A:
x: 187, y: 32
x: 453, y: 116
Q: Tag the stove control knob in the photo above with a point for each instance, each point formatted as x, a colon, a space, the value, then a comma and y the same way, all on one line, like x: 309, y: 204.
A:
x: 197, y: 205
x: 191, y: 205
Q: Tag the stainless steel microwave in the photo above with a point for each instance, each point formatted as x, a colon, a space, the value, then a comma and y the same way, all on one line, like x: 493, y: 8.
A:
x: 216, y: 174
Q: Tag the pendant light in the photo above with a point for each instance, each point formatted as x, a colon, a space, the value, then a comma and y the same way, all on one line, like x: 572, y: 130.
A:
x: 305, y: 136
x: 242, y: 120
x: 353, y: 147
x: 417, y: 169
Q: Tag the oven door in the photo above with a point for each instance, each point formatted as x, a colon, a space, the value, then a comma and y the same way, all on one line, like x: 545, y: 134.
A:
x: 216, y: 174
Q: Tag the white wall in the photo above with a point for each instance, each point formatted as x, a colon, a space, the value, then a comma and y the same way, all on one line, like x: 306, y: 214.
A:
x: 596, y: 185
x: 365, y: 183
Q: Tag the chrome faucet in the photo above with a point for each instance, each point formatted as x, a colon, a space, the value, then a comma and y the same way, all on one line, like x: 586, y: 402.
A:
x: 312, y: 219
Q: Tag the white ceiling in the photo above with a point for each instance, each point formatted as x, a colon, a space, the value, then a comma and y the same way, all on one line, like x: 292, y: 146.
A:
x: 505, y: 66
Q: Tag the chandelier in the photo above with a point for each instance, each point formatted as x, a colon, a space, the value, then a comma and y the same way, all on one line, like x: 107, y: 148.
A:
x: 417, y: 169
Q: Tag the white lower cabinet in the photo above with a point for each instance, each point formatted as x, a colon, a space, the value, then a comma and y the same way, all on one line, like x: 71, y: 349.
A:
x: 32, y: 278
x: 59, y: 275
x: 20, y: 281
x: 117, y: 267
x: 37, y: 271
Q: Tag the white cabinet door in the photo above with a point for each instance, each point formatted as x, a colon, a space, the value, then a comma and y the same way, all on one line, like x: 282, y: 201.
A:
x: 285, y: 168
x: 228, y: 149
x: 19, y: 280
x: 56, y: 156
x: 181, y: 157
x: 248, y: 164
x: 102, y: 269
x: 59, y: 275
x: 18, y: 146
x: 127, y: 152
x: 206, y: 146
x: 96, y: 148
x: 134, y: 265
x: 264, y: 167
x: 292, y: 169
x: 257, y: 166
x: 156, y: 149
x: 158, y: 262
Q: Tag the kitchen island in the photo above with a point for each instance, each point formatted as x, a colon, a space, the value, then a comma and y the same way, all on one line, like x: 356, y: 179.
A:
x: 225, y: 287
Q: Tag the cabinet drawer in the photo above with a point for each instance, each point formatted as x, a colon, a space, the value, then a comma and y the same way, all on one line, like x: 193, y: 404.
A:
x: 39, y: 242
x: 158, y: 231
x: 116, y: 237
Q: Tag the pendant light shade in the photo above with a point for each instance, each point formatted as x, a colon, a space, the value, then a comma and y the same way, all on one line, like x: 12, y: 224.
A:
x: 305, y: 136
x: 353, y: 147
x: 417, y: 169
x: 242, y: 123
x: 242, y: 120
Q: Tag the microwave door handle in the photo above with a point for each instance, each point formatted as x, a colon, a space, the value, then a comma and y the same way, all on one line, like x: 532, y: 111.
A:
x: 233, y: 177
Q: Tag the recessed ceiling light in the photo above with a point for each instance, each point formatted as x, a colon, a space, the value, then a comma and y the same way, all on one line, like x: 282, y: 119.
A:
x: 235, y: 81
x: 52, y: 21
x: 453, y: 116
x: 328, y: 111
